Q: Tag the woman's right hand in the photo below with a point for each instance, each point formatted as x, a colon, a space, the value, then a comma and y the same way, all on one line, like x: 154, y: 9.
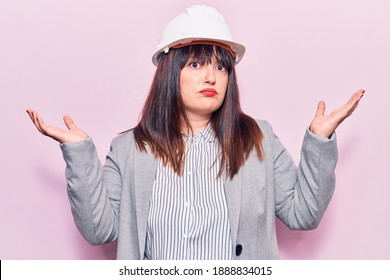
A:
x: 73, y: 134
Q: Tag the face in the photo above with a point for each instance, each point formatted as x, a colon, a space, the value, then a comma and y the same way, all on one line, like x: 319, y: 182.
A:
x: 203, y: 87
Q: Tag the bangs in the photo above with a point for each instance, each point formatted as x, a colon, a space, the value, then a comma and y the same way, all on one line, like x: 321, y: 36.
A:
x: 205, y: 54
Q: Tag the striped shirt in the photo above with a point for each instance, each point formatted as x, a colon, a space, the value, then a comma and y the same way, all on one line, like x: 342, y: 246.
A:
x: 188, y: 215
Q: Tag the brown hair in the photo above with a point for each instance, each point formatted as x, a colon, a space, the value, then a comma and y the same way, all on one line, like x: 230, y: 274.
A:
x: 160, y: 123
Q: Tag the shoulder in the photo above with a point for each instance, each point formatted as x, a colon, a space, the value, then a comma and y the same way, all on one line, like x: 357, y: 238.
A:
x: 269, y: 137
x: 124, y: 141
x: 265, y: 127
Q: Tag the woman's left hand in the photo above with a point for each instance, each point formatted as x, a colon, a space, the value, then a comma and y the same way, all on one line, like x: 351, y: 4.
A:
x: 325, y: 125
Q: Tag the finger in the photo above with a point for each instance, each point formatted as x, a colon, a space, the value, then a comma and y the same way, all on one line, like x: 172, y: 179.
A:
x: 356, y: 96
x: 69, y: 123
x: 31, y: 114
x: 360, y: 94
x: 347, y: 110
x: 353, y: 107
x: 42, y: 127
x: 320, y: 109
x: 354, y: 101
x: 35, y: 119
x: 28, y: 111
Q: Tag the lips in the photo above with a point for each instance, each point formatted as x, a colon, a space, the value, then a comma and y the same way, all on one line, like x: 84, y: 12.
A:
x: 209, y: 92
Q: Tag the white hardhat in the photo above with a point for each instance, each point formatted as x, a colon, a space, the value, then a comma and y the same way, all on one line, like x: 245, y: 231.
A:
x: 198, y: 24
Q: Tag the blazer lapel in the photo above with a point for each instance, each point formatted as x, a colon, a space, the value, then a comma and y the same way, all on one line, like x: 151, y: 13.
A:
x: 233, y: 197
x: 145, y: 167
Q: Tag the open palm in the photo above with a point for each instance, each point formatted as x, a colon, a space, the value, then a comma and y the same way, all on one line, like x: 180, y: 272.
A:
x: 325, y: 125
x: 72, y: 134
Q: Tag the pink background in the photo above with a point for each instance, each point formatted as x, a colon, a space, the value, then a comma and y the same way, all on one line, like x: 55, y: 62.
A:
x: 92, y: 60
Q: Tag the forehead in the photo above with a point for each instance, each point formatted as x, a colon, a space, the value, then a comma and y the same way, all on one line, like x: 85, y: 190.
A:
x: 205, y: 53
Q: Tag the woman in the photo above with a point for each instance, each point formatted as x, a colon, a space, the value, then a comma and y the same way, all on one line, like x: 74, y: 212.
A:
x: 197, y: 178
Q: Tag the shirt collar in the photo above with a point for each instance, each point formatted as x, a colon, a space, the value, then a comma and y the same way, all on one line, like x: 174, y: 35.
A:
x: 207, y: 134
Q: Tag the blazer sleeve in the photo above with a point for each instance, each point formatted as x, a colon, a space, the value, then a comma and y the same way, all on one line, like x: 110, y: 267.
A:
x: 93, y: 191
x: 303, y: 193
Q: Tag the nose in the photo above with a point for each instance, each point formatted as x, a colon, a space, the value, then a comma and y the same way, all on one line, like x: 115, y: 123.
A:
x: 210, y: 74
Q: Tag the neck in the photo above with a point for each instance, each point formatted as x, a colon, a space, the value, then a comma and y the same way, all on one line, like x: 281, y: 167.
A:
x: 197, y: 125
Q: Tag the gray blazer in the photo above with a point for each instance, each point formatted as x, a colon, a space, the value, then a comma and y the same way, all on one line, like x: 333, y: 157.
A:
x: 112, y: 201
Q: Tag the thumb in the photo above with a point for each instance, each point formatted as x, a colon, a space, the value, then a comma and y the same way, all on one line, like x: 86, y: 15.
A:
x: 320, y: 109
x: 69, y: 122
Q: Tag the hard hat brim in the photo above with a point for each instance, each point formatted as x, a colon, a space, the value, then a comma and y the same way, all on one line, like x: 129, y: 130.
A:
x: 238, y: 49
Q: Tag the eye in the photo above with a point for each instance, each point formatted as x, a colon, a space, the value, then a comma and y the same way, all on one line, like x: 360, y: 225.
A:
x: 221, y: 68
x: 194, y: 64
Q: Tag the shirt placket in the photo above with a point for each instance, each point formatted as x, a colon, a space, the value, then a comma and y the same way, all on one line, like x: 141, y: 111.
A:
x: 190, y: 186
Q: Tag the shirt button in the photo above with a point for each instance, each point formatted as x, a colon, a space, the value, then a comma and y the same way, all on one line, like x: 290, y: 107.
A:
x: 187, y: 204
x: 189, y: 173
x: 238, y: 250
x: 184, y: 236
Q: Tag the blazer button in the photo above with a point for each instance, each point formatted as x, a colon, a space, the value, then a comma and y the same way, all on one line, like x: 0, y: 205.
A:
x: 238, y: 250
